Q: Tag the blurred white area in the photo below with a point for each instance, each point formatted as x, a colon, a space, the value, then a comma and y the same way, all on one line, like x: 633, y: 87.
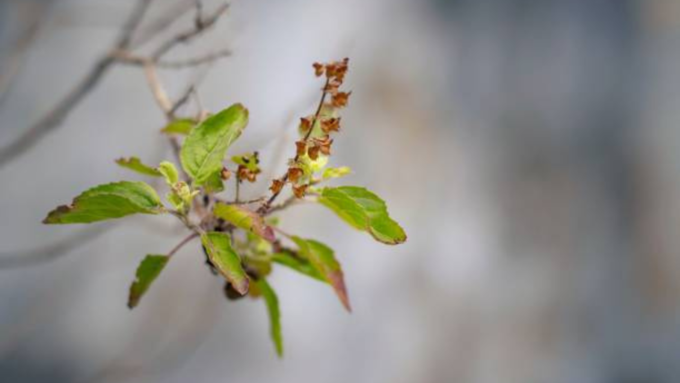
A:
x: 529, y: 149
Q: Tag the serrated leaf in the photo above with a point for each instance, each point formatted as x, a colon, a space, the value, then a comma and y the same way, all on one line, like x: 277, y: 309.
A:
x: 134, y: 163
x: 109, y: 201
x: 206, y: 146
x: 323, y: 260
x: 272, y: 302
x: 225, y: 259
x: 179, y: 126
x: 298, y: 264
x: 365, y: 211
x: 336, y: 172
x: 244, y: 219
x: 147, y: 271
x: 169, y: 171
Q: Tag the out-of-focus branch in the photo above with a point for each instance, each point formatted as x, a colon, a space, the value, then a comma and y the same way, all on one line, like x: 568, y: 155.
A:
x: 157, y: 26
x: 15, y: 58
x: 47, y: 253
x: 54, y: 117
x: 126, y: 57
x: 117, y: 54
x: 189, y: 34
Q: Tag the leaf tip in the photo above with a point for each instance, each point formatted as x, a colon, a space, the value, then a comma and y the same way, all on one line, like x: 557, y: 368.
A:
x: 338, y: 282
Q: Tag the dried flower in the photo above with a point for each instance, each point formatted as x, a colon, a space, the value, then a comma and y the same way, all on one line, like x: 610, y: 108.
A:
x: 300, y: 190
x: 330, y: 125
x: 313, y: 152
x: 276, y: 186
x: 318, y: 69
x: 301, y: 148
x: 324, y: 145
x: 339, y: 100
x: 305, y: 123
x: 294, y: 174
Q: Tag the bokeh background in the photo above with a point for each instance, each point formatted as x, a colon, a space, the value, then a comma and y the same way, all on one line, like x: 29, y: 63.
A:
x: 530, y: 148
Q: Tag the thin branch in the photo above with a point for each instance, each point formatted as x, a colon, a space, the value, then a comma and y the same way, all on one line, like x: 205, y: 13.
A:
x: 127, y: 57
x: 182, y: 243
x: 51, y: 252
x: 159, y: 93
x: 189, y: 34
x: 56, y: 116
x: 15, y: 58
x: 194, y: 61
x: 157, y: 26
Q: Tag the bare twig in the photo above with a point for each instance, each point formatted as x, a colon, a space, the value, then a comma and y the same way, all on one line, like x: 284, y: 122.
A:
x: 17, y: 55
x: 127, y: 57
x: 194, y: 61
x: 159, y: 93
x: 54, y: 117
x: 188, y: 35
x: 182, y: 243
x: 157, y: 26
x: 52, y: 251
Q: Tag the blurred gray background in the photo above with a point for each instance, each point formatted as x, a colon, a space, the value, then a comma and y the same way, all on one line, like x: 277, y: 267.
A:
x: 530, y: 149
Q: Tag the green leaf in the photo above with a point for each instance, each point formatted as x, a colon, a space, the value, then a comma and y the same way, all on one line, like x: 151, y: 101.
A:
x: 114, y: 200
x: 323, y: 260
x: 206, y: 146
x: 179, y: 126
x: 336, y: 172
x: 148, y: 270
x: 298, y: 264
x: 244, y: 219
x: 214, y: 184
x: 225, y: 259
x: 133, y: 163
x: 272, y: 302
x: 365, y: 211
x: 169, y: 171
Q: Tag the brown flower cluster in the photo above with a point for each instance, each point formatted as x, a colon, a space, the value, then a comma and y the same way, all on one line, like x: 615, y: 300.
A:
x: 317, y: 129
x: 248, y: 167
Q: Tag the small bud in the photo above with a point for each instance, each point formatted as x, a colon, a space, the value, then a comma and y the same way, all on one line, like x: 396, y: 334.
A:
x: 225, y: 174
x: 318, y: 69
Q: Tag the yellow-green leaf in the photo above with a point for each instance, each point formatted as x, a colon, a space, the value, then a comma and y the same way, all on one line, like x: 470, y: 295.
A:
x: 336, y: 172
x: 214, y: 184
x: 134, y: 163
x: 225, y: 259
x: 323, y: 260
x: 302, y: 266
x: 169, y: 171
x: 148, y: 270
x: 109, y: 201
x: 179, y: 126
x: 365, y: 211
x: 206, y: 146
x: 272, y: 302
x: 244, y: 219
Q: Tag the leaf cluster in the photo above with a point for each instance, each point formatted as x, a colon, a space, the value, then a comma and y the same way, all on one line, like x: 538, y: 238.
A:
x: 242, y: 240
